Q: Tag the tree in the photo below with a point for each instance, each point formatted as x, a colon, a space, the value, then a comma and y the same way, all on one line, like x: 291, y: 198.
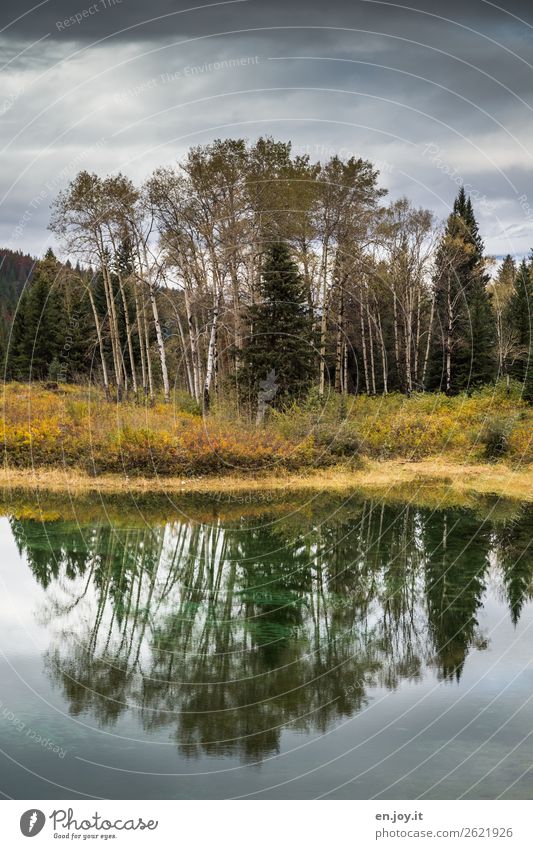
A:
x: 517, y: 318
x: 407, y: 245
x: 281, y: 340
x: 78, y: 349
x: 82, y: 215
x: 347, y: 202
x: 96, y: 218
x: 38, y: 330
x: 464, y: 338
x: 528, y: 382
x: 501, y: 290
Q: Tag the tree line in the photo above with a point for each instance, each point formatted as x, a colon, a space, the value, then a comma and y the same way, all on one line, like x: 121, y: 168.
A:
x: 248, y: 271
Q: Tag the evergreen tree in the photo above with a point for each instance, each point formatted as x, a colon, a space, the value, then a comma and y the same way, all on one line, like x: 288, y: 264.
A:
x: 518, y: 319
x: 38, y: 331
x: 513, y: 549
x: 480, y: 364
x: 506, y: 276
x: 527, y: 393
x: 79, y: 336
x: 280, y: 350
x: 465, y: 335
x: 501, y: 289
x: 124, y: 265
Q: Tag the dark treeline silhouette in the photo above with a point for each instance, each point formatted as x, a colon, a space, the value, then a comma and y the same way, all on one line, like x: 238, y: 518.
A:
x: 15, y: 271
x: 246, y: 260
x: 226, y: 635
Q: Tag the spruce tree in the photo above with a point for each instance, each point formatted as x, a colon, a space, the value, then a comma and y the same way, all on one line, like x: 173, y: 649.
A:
x: 279, y: 357
x: 506, y: 276
x: 502, y: 288
x: 465, y: 328
x: 79, y: 336
x: 124, y: 265
x: 518, y: 319
x: 38, y: 331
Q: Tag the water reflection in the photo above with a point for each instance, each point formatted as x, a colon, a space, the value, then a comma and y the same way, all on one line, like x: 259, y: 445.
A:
x: 225, y: 633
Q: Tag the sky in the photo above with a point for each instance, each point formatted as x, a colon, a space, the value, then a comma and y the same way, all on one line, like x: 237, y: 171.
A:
x: 436, y: 94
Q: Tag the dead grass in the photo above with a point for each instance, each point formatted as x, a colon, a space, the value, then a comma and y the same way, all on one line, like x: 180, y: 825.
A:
x: 434, y: 480
x: 428, y: 449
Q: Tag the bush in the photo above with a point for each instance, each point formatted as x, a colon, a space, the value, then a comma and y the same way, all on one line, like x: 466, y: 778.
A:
x: 185, y: 403
x: 76, y: 426
x: 339, y: 442
x: 495, y: 438
x: 521, y: 442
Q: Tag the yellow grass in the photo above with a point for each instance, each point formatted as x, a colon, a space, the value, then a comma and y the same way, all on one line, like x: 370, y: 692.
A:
x: 432, y: 479
x: 427, y: 449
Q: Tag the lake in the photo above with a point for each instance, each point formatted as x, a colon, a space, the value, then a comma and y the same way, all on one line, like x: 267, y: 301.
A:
x: 246, y: 647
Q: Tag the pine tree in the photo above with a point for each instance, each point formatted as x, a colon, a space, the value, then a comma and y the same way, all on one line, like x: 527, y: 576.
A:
x: 518, y: 319
x: 464, y: 341
x: 501, y: 289
x: 38, y: 330
x: 79, y: 336
x: 506, y: 275
x: 280, y: 350
x: 124, y: 265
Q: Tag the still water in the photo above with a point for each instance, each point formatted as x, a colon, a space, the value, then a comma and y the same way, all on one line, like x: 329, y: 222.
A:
x: 314, y: 649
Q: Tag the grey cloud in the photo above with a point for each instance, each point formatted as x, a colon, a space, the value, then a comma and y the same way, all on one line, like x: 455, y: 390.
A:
x: 140, y: 98
x: 135, y: 19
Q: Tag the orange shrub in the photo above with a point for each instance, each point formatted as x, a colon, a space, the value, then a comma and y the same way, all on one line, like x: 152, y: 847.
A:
x: 76, y: 426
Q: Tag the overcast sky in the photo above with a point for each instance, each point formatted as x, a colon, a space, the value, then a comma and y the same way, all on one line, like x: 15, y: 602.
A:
x: 435, y: 93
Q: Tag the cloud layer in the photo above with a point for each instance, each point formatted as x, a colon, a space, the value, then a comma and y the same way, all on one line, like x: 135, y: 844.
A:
x: 436, y: 95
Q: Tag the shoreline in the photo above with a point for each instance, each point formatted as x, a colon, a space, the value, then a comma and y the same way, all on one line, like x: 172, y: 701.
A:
x: 394, y: 478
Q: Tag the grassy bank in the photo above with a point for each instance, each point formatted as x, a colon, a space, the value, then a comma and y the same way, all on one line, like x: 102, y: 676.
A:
x: 434, y: 483
x: 70, y: 437
x: 48, y: 497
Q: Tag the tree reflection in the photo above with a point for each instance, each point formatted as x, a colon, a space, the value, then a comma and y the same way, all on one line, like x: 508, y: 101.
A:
x: 456, y: 564
x: 513, y: 546
x: 226, y: 635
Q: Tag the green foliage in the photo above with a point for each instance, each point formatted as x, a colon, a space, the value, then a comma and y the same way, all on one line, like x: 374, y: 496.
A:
x: 185, y: 403
x: 518, y: 319
x: 341, y: 442
x: 270, y: 266
x: 54, y: 370
x: 39, y: 328
x: 281, y: 344
x: 463, y: 353
x: 495, y: 437
x: 528, y: 382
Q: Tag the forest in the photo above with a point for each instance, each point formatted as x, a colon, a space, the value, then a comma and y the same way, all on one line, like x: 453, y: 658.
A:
x: 294, y: 318
x: 252, y: 275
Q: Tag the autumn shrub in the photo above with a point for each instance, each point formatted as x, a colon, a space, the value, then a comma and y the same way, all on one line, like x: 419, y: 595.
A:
x: 36, y: 444
x: 185, y: 403
x: 495, y: 438
x: 396, y: 426
x: 337, y: 442
x: 140, y: 451
x: 77, y: 411
x: 520, y: 443
x: 211, y: 447
x: 76, y: 426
